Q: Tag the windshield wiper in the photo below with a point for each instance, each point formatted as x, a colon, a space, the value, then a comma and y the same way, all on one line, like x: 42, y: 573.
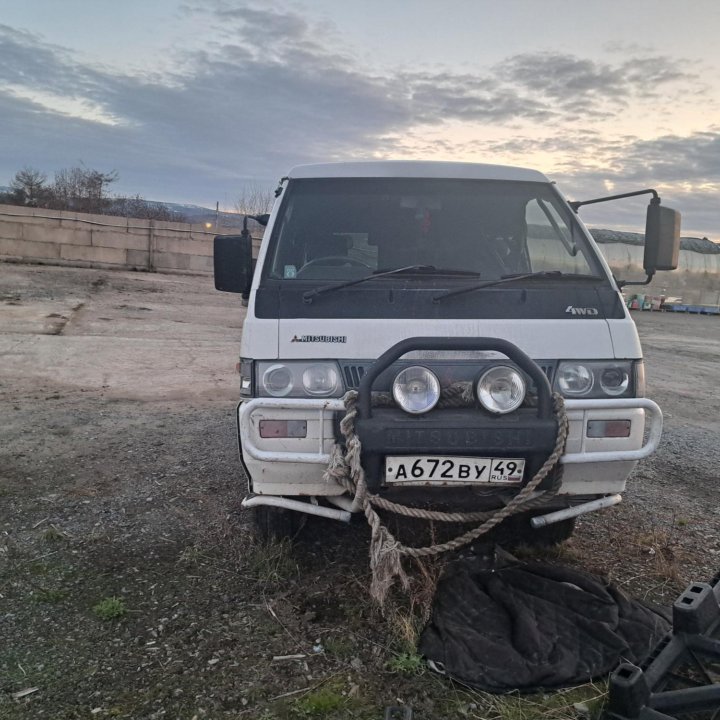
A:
x: 552, y: 274
x: 420, y: 269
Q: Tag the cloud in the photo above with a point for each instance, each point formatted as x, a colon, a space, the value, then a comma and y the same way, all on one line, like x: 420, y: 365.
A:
x: 584, y: 86
x: 274, y: 89
x: 684, y: 169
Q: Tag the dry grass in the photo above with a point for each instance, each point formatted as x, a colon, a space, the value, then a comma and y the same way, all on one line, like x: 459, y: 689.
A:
x: 407, y: 613
x: 584, y: 701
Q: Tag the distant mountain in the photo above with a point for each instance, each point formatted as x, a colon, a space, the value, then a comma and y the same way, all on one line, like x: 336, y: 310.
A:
x: 199, y: 214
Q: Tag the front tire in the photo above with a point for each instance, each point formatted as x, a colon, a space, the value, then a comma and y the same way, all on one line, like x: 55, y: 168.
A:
x: 272, y: 524
x: 520, y: 532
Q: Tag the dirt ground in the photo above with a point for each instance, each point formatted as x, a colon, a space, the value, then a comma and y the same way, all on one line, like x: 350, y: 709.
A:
x: 130, y: 586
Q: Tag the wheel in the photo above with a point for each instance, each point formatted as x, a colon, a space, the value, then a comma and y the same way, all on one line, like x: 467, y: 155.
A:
x: 274, y: 524
x: 518, y: 531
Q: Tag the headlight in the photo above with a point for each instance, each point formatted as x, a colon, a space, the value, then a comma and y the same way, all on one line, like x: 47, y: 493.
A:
x: 614, y: 380
x: 574, y: 379
x: 501, y: 389
x: 416, y: 390
x: 599, y: 378
x: 320, y: 380
x: 277, y: 381
x: 296, y: 378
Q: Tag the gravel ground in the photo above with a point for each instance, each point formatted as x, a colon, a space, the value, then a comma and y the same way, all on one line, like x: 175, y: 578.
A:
x: 119, y: 479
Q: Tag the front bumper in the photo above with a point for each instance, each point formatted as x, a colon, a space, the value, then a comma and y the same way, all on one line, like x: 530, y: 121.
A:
x: 294, y: 466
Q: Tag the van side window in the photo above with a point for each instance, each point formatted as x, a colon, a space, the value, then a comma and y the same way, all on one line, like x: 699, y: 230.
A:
x: 550, y: 243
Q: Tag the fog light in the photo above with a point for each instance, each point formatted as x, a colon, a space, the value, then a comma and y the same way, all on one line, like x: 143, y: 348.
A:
x: 501, y: 389
x: 416, y: 390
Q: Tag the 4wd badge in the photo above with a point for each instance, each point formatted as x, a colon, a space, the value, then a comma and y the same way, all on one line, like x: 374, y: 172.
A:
x: 581, y: 311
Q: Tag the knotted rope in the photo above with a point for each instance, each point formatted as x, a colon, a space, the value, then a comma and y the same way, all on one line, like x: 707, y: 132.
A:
x: 386, y: 552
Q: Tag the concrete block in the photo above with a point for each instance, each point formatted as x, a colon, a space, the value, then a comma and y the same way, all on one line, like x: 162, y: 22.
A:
x: 137, y: 258
x: 172, y: 261
x: 70, y: 219
x: 103, y: 219
x: 30, y: 216
x: 170, y: 228
x: 183, y: 245
x: 29, y: 250
x: 139, y: 226
x: 122, y: 240
x: 183, y: 262
x: 64, y: 236
x: 111, y: 256
x: 201, y: 263
x: 11, y: 230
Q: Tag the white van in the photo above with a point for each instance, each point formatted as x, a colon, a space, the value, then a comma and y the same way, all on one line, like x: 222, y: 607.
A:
x: 456, y: 298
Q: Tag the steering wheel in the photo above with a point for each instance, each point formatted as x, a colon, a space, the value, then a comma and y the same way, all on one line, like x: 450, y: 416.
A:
x: 334, y: 260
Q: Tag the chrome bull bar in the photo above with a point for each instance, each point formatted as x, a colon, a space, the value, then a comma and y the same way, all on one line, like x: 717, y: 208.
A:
x: 325, y: 409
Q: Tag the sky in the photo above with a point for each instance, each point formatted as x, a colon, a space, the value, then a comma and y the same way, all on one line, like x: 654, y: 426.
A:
x: 198, y: 101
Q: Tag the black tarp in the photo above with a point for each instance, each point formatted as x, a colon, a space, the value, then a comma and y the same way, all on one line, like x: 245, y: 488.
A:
x: 531, y: 626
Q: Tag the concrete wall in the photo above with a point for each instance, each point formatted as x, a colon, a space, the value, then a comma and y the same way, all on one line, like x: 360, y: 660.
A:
x: 66, y: 238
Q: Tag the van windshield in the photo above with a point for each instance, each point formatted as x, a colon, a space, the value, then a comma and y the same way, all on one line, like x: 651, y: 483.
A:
x: 346, y: 228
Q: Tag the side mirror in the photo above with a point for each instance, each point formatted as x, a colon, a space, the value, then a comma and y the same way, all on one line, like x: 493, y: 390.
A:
x: 233, y: 263
x: 662, y: 238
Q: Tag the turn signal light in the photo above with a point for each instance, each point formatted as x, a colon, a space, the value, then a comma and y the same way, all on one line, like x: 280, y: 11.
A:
x: 608, y: 428
x: 283, y: 428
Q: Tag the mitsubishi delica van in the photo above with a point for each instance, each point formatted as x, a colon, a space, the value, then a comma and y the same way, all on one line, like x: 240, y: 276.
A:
x: 455, y: 298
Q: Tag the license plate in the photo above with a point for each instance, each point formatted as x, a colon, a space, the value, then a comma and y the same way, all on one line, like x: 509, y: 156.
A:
x: 441, y: 470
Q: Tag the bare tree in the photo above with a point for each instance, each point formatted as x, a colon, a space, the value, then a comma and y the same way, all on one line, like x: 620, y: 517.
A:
x: 254, y: 199
x: 28, y: 187
x: 82, y: 189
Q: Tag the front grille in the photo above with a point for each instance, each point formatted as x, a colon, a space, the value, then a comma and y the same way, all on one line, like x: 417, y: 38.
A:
x: 548, y: 369
x: 353, y: 376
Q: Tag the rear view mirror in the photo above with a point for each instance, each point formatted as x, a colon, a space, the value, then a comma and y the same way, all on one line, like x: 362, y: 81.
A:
x: 232, y: 255
x: 662, y: 238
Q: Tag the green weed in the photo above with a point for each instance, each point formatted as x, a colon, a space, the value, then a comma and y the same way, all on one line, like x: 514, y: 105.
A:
x: 110, y: 608
x: 321, y: 702
x: 407, y: 663
x: 49, y: 596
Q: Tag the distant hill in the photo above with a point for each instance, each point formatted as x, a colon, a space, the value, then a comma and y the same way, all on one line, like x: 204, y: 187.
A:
x: 199, y: 214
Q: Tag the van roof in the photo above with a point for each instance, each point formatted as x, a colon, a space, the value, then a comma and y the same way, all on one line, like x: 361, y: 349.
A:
x: 416, y: 169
